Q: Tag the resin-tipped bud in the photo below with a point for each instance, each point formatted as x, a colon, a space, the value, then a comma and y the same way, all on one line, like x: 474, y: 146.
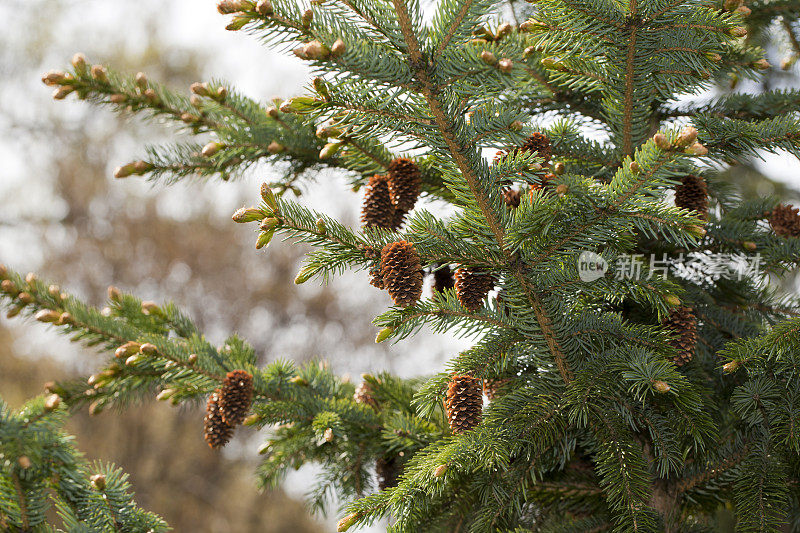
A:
x: 269, y: 197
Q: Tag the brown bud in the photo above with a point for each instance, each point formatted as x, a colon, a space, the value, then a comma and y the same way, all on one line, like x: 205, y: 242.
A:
x: 328, y: 435
x: 338, y: 48
x: 189, y: 118
x: 25, y: 298
x: 749, y: 246
x: 300, y: 52
x: 8, y: 287
x: 272, y: 112
x: 488, y: 58
x: 762, y: 64
x: 562, y: 189
x: 439, y: 471
x: 54, y: 291
x: 30, y: 278
x: 738, y: 31
x: 671, y: 300
x: 150, y: 308
x: 212, y: 148
x: 98, y: 481
x: 114, y: 294
x: 308, y: 16
x: 140, y: 167
x: 99, y: 73
x: 3, y: 271
x: 53, y: 78
x: 141, y: 80
x: 559, y: 168
x: 315, y: 50
x: 127, y: 349
x: 24, y: 462
x: 200, y: 89
x: 118, y: 98
x: 687, y: 137
x: 730, y: 367
x: 64, y: 319
x: 52, y: 402
x: 148, y: 349
x: 504, y: 30
x: 275, y: 147
x: 743, y: 11
x: 62, y: 92
x: 661, y: 386
x: 192, y: 358
x: 79, y: 62
x: 124, y: 171
x: 228, y: 7
x: 731, y: 5
x: 47, y: 316
x: 505, y: 65
x: 661, y: 141
x: 264, y: 8
x: 696, y: 149
x: 132, y: 360
x: 151, y: 96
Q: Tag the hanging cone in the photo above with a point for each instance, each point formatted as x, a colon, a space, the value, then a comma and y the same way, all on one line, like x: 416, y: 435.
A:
x: 443, y: 279
x: 377, y: 210
x: 472, y: 286
x: 236, y: 397
x: 464, y: 403
x: 683, y: 324
x: 364, y: 395
x: 692, y: 194
x: 492, y: 388
x: 405, y: 184
x: 785, y: 221
x: 540, y: 143
x: 512, y: 198
x: 402, y: 272
x: 217, y: 431
x: 388, y: 470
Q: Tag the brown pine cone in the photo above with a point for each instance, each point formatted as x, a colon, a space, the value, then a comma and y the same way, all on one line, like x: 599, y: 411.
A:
x: 538, y: 142
x: 377, y: 210
x: 375, y: 276
x: 493, y: 388
x: 512, y: 198
x: 683, y: 324
x: 405, y: 184
x: 785, y: 221
x: 236, y: 397
x: 388, y: 470
x: 217, y: 431
x: 363, y: 395
x: 464, y: 403
x: 692, y: 194
x: 472, y: 286
x: 402, y: 272
x: 443, y: 279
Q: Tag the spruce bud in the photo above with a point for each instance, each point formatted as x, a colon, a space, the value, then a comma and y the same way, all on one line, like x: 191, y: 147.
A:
x: 264, y: 8
x: 64, y: 319
x: 148, y: 349
x: 272, y: 112
x: 338, y: 48
x: 762, y: 64
x: 315, y: 50
x: 140, y: 167
x: 321, y: 228
x: 114, y: 294
x: 697, y: 231
x: 559, y: 168
x: 268, y: 224
x: 251, y: 420
x: 8, y: 287
x: 516, y: 126
x: 789, y: 62
x: 275, y: 147
x: 47, y: 316
x: 321, y: 87
x: 79, y: 63
x: 30, y: 278
x: 189, y: 118
x: 52, y: 403
x: 439, y: 471
x: 552, y: 63
x: 562, y: 189
x: 141, y: 80
x: 211, y: 148
x: 247, y: 214
x: 743, y: 11
x: 305, y: 274
x: 488, y: 58
x: 328, y: 435
x: 297, y: 380
x: 661, y: 386
x: 661, y: 141
x: 132, y: 360
x: 749, y: 246
x: 118, y: 98
x: 696, y: 149
x: 264, y: 239
x: 347, y: 522
x: 150, y: 308
x: 300, y: 52
x: 506, y: 65
x: 269, y: 197
x: 165, y: 395
x: 54, y: 291
x: 687, y: 137
x: 308, y: 16
x: 384, y: 334
x: 3, y: 271
x: 220, y: 95
x: 99, y: 73
x: 151, y: 96
x: 200, y: 89
x: 329, y: 150
x: 192, y: 359
x: 237, y: 23
x: 504, y: 30
x: 730, y: 367
x: 713, y: 56
x: 229, y: 7
x: 62, y: 92
x: 98, y: 481
x: 671, y: 300
x: 738, y: 31
x: 25, y: 298
x: 731, y: 5
x: 127, y: 349
x: 24, y: 462
x: 53, y: 78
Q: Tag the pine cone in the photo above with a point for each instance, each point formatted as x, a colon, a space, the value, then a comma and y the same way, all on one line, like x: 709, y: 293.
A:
x: 538, y: 142
x: 492, y: 388
x: 683, y: 324
x: 377, y: 210
x: 388, y: 470
x: 464, y: 403
x: 692, y: 194
x: 405, y: 184
x: 375, y: 276
x: 363, y: 395
x: 402, y: 272
x: 443, y: 279
x: 217, y: 431
x: 236, y: 397
x: 472, y: 286
x: 512, y: 198
x: 785, y: 221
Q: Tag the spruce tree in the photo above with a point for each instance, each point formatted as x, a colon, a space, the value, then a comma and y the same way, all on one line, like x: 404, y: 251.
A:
x: 644, y: 396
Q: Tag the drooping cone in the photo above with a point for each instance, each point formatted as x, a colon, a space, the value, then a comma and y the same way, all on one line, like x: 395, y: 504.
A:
x: 363, y: 395
x: 388, y: 470
x: 683, y: 324
x: 785, y: 221
x: 538, y: 142
x: 464, y: 403
x: 692, y: 194
x: 377, y: 210
x: 512, y: 198
x: 492, y: 388
x: 405, y: 184
x: 402, y: 272
x: 472, y: 286
x: 443, y: 279
x: 236, y: 397
x: 217, y: 431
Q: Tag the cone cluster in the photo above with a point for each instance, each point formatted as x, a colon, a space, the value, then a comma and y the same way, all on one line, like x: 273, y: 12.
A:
x: 377, y: 210
x: 388, y: 470
x: 692, y: 194
x: 443, y: 279
x: 236, y: 397
x: 472, y: 286
x: 492, y: 388
x: 389, y: 198
x: 364, y: 395
x: 217, y: 432
x: 785, y: 221
x: 683, y: 324
x: 464, y: 403
x: 401, y: 272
